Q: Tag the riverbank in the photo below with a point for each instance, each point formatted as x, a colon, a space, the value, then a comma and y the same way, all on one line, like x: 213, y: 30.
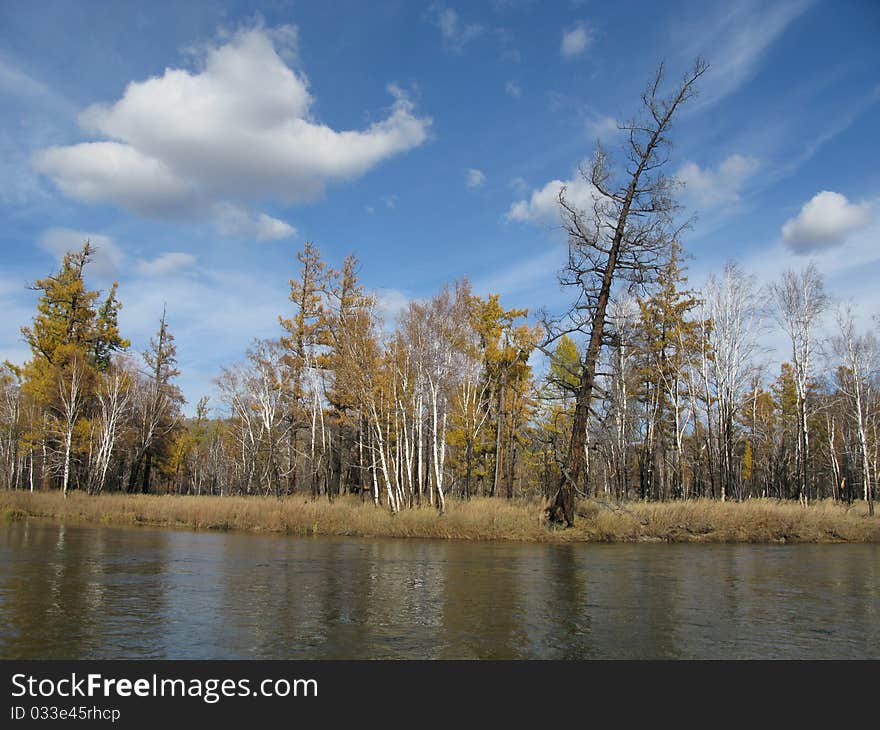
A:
x: 703, y: 521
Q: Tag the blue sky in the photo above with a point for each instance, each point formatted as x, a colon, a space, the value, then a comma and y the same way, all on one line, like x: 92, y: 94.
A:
x: 200, y: 144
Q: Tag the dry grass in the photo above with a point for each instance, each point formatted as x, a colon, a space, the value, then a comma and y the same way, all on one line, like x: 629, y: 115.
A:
x: 478, y: 519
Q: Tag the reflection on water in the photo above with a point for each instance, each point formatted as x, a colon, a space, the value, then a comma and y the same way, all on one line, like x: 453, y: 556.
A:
x: 95, y: 592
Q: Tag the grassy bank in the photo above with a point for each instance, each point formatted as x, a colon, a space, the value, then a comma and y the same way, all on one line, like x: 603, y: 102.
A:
x: 480, y: 519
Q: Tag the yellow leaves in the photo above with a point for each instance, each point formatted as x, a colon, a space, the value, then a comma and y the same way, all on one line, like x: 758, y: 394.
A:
x: 747, y: 462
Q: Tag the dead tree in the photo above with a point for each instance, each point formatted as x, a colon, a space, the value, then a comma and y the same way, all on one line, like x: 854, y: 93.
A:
x: 624, y: 237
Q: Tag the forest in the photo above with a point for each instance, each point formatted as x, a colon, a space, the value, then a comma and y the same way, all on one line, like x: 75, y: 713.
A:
x: 645, y: 389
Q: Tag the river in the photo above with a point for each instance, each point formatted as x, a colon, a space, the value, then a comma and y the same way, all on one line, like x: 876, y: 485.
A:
x: 99, y: 592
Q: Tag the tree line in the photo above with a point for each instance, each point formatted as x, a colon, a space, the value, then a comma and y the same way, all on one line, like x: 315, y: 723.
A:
x: 645, y: 388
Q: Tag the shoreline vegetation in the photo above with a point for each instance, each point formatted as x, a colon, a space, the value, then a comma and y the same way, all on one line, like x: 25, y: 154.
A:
x: 643, y: 391
x: 480, y: 519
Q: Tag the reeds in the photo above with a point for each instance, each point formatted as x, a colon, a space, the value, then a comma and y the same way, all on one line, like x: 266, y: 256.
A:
x: 709, y: 521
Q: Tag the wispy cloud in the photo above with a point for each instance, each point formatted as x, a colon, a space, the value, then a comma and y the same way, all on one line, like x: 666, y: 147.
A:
x: 455, y: 33
x: 735, y: 42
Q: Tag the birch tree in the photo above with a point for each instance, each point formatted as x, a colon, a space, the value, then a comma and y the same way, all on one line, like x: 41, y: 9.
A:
x: 857, y: 355
x: 735, y: 315
x: 800, y: 301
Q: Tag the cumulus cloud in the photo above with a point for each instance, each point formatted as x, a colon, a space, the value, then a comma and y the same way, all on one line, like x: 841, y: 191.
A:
x: 543, y: 204
x: 166, y: 263
x: 474, y: 178
x: 97, y: 172
x: 721, y: 186
x: 240, y: 129
x: 233, y: 220
x: 825, y: 221
x: 575, y: 41
x: 108, y: 257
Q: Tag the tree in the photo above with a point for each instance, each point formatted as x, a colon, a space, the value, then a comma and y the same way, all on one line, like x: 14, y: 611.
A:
x: 800, y: 302
x: 11, y: 423
x: 114, y: 396
x: 858, y: 362
x: 623, y: 238
x: 736, y: 321
x: 71, y: 341
x: 506, y: 348
x: 305, y: 334
x: 669, y: 345
x: 157, y: 404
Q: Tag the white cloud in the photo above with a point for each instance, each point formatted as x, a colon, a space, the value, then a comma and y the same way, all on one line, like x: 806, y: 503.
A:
x: 601, y: 128
x: 575, y: 41
x: 474, y: 178
x: 735, y: 41
x: 166, y: 263
x: 543, y: 204
x: 850, y: 268
x: 97, y: 172
x: 825, y: 221
x: 721, y: 186
x: 233, y: 220
x: 511, y: 88
x: 240, y: 129
x: 107, y: 260
x: 455, y: 33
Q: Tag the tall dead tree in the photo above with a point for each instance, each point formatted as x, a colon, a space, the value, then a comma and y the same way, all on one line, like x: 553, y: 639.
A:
x: 624, y: 237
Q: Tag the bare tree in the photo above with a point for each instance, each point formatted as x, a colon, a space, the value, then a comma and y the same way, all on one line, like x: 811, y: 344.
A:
x: 857, y: 357
x: 800, y: 301
x: 72, y: 391
x: 114, y: 395
x: 735, y: 316
x: 624, y: 237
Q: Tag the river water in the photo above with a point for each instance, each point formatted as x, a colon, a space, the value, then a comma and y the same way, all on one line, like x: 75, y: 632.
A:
x: 99, y: 592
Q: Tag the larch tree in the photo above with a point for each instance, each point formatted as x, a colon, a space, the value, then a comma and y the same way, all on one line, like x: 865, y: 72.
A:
x: 668, y: 347
x: 506, y: 348
x: 71, y: 340
x: 157, y: 405
x: 304, y: 338
x: 622, y: 238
